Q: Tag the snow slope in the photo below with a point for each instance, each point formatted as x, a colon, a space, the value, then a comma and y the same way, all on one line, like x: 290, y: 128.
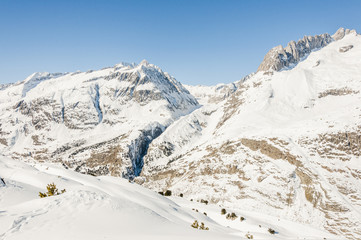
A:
x: 112, y: 208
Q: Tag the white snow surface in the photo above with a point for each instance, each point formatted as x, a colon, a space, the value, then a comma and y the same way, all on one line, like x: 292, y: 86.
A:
x: 112, y: 208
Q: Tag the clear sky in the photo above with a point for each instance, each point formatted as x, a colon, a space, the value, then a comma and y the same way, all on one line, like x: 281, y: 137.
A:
x: 197, y: 41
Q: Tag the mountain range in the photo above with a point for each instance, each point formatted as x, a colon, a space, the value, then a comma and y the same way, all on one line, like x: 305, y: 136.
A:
x: 284, y: 141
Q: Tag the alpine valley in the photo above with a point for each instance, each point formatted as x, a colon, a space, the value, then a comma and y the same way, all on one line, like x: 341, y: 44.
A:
x: 281, y: 146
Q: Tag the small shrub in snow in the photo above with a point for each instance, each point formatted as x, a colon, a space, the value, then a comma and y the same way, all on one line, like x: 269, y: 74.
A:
x: 204, y: 201
x: 242, y: 219
x: 223, y: 211
x: 168, y: 193
x: 231, y: 216
x: 52, y: 191
x: 161, y: 193
x: 42, y: 195
x: 271, y: 231
x: 202, y: 227
x: 181, y: 195
x: 195, y: 224
x: 249, y: 236
x: 205, y: 213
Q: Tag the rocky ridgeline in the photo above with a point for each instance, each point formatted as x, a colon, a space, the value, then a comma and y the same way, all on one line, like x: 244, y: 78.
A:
x: 278, y: 57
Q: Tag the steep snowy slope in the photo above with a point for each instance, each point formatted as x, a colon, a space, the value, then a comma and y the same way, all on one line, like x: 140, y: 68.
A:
x: 96, y: 122
x: 286, y: 143
x: 111, y: 208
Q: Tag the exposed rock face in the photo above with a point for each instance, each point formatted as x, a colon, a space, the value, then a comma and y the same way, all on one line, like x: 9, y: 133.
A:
x: 345, y: 48
x: 279, y: 57
x: 139, y: 147
x: 339, y: 145
x: 337, y: 92
x: 341, y: 33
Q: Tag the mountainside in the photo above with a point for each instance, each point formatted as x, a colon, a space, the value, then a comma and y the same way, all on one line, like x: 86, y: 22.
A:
x: 96, y: 122
x: 284, y: 141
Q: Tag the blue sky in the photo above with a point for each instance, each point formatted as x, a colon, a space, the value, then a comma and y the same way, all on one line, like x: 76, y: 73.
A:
x: 198, y: 42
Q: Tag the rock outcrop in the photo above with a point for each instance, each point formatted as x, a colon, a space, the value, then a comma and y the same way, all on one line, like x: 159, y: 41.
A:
x: 341, y: 33
x: 278, y: 57
x: 345, y: 48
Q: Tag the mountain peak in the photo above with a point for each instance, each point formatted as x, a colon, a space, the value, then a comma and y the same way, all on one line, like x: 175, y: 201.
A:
x: 144, y: 63
x: 279, y: 57
x: 342, y: 32
x: 124, y: 64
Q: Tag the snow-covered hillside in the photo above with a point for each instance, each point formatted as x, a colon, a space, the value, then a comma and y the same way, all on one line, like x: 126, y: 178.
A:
x: 286, y: 143
x: 111, y: 208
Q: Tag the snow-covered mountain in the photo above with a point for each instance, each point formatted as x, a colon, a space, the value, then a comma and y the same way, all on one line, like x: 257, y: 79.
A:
x: 284, y: 141
x: 96, y: 122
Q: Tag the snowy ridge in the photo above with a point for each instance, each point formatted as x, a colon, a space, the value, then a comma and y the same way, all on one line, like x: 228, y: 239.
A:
x: 212, y: 94
x: 206, y: 95
x: 33, y: 80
